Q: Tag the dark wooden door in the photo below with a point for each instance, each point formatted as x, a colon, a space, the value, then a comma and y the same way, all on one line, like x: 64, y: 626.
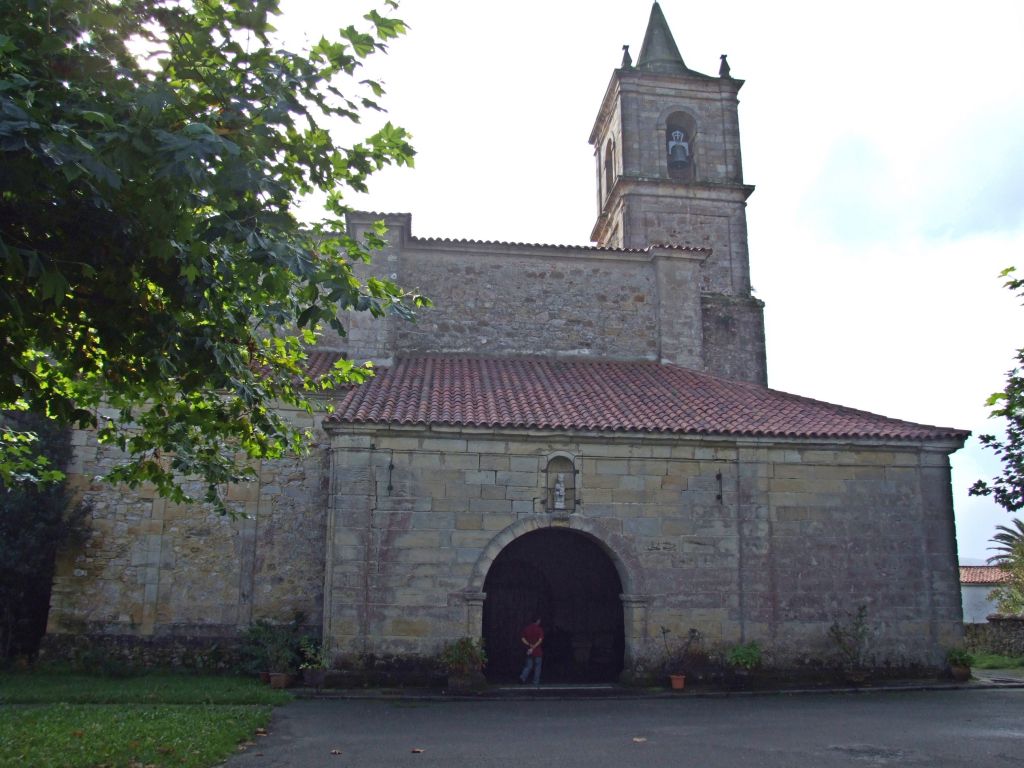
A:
x: 566, y: 579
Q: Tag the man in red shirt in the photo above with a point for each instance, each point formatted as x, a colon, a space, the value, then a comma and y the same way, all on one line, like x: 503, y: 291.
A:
x: 533, y: 639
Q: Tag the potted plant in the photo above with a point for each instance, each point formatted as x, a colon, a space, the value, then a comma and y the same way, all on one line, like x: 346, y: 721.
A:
x: 283, y: 653
x: 464, y: 661
x: 677, y: 660
x: 742, y: 660
x: 270, y: 648
x: 959, y: 661
x: 316, y: 660
x: 282, y: 661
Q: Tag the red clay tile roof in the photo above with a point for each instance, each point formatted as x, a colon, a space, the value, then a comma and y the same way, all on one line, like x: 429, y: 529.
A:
x: 383, y: 215
x: 603, y: 396
x: 982, y: 574
x: 318, y: 363
x: 559, y: 246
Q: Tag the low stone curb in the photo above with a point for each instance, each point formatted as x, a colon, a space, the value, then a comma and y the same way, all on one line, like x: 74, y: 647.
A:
x: 556, y: 692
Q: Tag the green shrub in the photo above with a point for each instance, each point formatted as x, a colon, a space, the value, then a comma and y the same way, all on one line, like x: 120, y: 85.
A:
x: 958, y: 657
x: 272, y: 647
x: 746, y: 656
x: 465, y: 656
x: 315, y: 655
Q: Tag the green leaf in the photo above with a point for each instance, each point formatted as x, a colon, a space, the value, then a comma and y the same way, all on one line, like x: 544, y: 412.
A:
x: 157, y: 267
x: 53, y: 286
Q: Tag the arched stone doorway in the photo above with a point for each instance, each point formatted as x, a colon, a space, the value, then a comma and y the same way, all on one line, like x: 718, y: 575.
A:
x: 567, y: 579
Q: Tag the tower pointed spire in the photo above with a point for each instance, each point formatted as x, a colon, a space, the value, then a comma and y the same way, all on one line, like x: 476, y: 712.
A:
x: 659, y: 52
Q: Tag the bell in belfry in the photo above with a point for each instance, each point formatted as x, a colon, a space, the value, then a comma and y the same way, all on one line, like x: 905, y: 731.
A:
x: 678, y: 149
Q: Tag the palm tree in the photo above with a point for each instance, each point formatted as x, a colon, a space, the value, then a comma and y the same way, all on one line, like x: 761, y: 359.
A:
x: 1011, y: 542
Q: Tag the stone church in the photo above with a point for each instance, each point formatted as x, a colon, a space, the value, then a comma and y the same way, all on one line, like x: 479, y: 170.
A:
x: 584, y: 433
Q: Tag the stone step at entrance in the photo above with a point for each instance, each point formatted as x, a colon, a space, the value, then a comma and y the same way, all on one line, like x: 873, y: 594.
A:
x: 575, y: 690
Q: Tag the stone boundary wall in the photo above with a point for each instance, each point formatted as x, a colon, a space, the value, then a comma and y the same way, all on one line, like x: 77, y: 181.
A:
x: 113, y: 653
x: 1000, y: 634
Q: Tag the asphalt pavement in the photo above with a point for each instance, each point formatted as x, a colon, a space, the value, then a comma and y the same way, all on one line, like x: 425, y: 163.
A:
x: 977, y: 725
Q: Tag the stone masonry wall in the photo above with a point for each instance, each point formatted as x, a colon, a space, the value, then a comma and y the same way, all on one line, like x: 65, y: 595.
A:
x: 369, y: 338
x: 152, y: 568
x: 649, y: 100
x: 659, y: 213
x: 1000, y: 634
x: 496, y: 300
x: 734, y: 343
x: 741, y: 540
x: 506, y: 299
x: 706, y: 212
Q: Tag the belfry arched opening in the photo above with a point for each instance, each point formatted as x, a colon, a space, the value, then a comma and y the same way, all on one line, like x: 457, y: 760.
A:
x: 567, y: 579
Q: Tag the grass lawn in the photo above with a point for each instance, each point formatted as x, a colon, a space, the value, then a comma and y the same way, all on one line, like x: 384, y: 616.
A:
x: 995, y: 661
x: 49, y: 719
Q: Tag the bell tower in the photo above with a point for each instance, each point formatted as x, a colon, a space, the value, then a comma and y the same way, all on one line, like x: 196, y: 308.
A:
x: 669, y: 173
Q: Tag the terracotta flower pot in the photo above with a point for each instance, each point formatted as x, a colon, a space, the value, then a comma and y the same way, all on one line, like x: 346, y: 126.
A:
x: 314, y: 678
x: 466, y: 681
x: 678, y: 682
x: 960, y: 674
x: 280, y: 679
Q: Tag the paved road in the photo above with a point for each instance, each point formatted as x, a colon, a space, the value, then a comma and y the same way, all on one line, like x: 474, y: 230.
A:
x: 976, y: 728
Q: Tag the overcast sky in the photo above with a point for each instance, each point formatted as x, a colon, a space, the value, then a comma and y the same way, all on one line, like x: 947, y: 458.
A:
x: 884, y: 139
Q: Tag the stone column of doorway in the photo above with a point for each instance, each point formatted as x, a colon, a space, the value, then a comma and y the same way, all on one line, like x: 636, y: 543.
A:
x: 474, y: 613
x: 634, y: 617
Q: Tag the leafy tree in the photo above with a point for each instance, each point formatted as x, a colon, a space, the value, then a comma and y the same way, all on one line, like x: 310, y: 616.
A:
x: 152, y: 155
x: 1007, y: 488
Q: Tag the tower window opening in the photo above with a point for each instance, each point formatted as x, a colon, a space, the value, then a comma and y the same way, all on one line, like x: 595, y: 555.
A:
x: 609, y: 166
x: 680, y: 146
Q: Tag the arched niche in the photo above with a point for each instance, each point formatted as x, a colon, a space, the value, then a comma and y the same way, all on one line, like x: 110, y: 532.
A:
x: 681, y: 141
x: 561, y: 479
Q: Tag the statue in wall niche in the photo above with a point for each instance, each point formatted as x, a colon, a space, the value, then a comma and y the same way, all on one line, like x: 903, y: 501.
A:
x: 678, y: 148
x: 560, y: 491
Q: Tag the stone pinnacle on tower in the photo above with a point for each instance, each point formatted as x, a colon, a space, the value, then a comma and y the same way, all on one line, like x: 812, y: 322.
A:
x: 659, y: 52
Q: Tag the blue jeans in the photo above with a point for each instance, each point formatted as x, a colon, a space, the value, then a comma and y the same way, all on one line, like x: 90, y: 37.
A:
x: 534, y: 663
